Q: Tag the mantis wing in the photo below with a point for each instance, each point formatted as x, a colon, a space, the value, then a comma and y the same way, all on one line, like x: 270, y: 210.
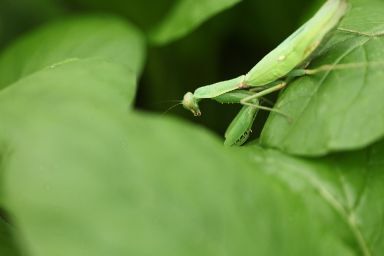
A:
x: 240, y: 128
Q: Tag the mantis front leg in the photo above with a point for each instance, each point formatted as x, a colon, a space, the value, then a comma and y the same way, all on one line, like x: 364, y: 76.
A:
x: 241, y: 126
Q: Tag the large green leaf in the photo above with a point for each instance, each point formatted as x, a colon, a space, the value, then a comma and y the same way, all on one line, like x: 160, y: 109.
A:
x: 337, y: 109
x: 185, y: 16
x: 101, y: 182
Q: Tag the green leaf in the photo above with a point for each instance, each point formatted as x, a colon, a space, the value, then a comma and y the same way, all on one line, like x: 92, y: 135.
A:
x: 350, y: 183
x: 337, y: 109
x: 104, y: 38
x: 100, y: 182
x: 185, y: 16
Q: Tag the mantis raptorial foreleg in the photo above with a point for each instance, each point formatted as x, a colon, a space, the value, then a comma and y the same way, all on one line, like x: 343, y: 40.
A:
x: 241, y: 127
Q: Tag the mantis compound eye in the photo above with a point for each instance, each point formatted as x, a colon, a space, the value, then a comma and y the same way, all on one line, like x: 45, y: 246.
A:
x: 189, y: 102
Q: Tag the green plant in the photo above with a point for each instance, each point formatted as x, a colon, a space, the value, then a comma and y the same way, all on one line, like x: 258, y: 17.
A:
x: 85, y: 173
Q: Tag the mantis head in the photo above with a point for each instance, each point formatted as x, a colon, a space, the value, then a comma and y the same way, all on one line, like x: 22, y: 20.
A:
x: 189, y: 102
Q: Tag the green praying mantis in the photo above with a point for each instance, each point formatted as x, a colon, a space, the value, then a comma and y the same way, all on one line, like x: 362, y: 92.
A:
x: 271, y: 74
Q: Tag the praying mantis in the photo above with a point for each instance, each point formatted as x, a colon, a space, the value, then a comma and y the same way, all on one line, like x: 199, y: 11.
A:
x: 270, y: 74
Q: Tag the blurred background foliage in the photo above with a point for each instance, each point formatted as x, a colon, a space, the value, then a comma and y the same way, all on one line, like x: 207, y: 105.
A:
x: 223, y: 47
